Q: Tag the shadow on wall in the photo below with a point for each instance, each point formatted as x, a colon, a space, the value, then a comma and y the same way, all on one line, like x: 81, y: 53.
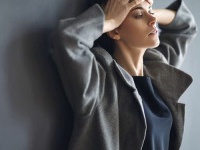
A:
x: 35, y: 96
x: 34, y: 112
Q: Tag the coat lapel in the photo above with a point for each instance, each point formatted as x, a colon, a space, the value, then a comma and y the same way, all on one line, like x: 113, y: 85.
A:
x: 124, y: 75
x: 127, y: 78
x: 169, y: 81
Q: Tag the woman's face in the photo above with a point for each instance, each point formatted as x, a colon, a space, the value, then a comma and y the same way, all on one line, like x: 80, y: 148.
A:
x: 139, y: 28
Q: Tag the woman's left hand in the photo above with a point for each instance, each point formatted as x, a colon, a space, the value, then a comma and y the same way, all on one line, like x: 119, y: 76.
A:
x: 116, y: 11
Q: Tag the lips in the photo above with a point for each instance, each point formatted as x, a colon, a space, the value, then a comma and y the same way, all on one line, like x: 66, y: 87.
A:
x: 153, y: 32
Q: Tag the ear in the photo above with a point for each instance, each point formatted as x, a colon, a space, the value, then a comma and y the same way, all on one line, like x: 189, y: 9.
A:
x: 114, y: 34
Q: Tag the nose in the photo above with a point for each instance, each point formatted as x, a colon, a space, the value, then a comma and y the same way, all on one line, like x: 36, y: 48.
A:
x: 152, y: 21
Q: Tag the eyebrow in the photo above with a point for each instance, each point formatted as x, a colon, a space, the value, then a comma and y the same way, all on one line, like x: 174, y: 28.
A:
x: 136, y: 8
x: 140, y: 8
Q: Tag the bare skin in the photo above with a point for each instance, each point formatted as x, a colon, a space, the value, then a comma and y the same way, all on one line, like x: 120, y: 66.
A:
x: 133, y: 27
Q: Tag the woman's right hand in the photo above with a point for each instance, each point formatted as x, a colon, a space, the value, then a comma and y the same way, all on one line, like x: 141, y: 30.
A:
x: 116, y: 11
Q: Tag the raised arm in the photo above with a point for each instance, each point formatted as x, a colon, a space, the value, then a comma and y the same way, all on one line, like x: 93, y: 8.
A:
x: 178, y: 28
x: 82, y: 76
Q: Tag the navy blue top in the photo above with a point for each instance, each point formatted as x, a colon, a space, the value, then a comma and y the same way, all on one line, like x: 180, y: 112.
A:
x: 158, y: 116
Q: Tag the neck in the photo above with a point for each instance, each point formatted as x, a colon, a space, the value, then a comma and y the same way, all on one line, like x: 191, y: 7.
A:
x: 130, y: 59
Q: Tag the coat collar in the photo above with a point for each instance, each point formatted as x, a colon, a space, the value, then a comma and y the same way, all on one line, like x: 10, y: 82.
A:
x: 169, y: 81
x: 125, y: 75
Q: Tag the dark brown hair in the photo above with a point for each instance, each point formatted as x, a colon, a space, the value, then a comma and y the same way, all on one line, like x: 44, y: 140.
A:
x: 106, y: 43
x: 104, y: 40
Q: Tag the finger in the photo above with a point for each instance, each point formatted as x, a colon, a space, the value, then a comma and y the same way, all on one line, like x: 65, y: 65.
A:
x: 135, y: 2
x: 124, y: 1
x: 107, y: 6
x: 150, y: 2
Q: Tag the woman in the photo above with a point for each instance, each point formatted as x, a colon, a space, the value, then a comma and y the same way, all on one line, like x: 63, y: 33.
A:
x: 126, y: 99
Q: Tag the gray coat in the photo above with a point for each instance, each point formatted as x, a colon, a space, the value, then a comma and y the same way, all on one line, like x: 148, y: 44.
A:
x: 102, y: 93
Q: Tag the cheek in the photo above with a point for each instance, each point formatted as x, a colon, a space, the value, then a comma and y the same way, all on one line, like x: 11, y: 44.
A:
x: 133, y: 32
x: 132, y: 26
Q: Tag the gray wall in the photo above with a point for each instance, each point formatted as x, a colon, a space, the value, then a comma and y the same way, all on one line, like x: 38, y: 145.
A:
x: 33, y: 107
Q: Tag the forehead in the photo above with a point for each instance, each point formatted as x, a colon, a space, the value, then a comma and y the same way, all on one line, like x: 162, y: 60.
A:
x: 148, y: 1
x: 145, y: 5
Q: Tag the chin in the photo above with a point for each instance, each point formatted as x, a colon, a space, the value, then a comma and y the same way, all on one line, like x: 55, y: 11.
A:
x: 155, y: 44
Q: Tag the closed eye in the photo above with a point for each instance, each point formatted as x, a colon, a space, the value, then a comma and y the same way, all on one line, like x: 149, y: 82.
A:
x: 139, y: 11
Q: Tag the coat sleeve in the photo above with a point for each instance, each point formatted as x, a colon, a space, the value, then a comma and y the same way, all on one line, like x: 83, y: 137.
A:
x: 81, y: 74
x: 175, y: 37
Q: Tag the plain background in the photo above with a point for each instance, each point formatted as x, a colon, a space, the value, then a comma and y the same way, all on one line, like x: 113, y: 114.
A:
x: 33, y: 107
